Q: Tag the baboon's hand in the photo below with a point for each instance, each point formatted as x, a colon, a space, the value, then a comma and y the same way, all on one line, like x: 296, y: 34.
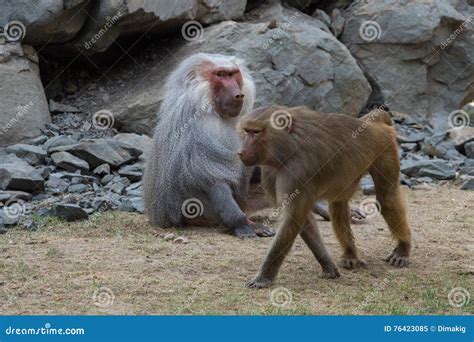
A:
x: 245, y: 232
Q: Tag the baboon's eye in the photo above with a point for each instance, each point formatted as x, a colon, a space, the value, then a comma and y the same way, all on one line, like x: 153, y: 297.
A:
x: 252, y: 131
x: 221, y: 73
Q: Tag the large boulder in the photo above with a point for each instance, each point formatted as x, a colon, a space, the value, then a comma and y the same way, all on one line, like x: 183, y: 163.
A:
x: 24, y: 109
x: 417, y: 54
x: 44, y: 21
x: 92, y: 26
x: 298, y: 62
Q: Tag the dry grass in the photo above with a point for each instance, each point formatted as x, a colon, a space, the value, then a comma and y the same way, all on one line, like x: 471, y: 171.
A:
x: 57, y: 269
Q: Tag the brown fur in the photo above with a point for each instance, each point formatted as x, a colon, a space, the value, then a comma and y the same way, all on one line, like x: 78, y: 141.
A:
x: 323, y: 156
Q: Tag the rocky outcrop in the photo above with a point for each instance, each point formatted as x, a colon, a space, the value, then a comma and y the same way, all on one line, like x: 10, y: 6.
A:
x: 24, y: 109
x: 417, y: 54
x: 92, y: 26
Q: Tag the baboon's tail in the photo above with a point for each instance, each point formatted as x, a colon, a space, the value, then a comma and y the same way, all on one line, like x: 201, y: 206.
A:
x: 378, y: 115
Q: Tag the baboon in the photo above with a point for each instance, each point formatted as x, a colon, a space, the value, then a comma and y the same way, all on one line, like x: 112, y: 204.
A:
x: 323, y: 156
x: 193, y: 175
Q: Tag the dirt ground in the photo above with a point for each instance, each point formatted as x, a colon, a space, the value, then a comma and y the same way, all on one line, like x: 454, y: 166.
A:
x: 116, y: 263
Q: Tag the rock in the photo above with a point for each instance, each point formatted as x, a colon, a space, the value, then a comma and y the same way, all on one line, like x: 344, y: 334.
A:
x: 133, y: 172
x: 134, y: 189
x: 337, y: 22
x: 367, y: 185
x: 74, y: 177
x: 102, y: 170
x: 322, y: 16
x: 56, y: 108
x: 6, y: 196
x: 57, y: 141
x: 106, y: 179
x: 110, y: 19
x: 468, y: 185
x: 413, y: 138
x: 181, y: 239
x: 24, y: 110
x: 409, y: 147
x: 442, y: 146
x: 47, y: 22
x: 16, y: 174
x: 132, y: 204
x: 469, y: 148
x: 38, y: 141
x: 99, y: 151
x: 56, y: 185
x: 302, y: 41
x: 67, y: 161
x: 404, y: 34
x: 78, y: 188
x: 70, y: 212
x: 461, y: 136
x: 34, y: 155
x: 45, y: 171
x: 434, y: 168
x: 139, y: 141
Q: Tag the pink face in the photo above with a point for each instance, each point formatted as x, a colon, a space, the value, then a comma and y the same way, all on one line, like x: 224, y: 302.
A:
x: 226, y: 84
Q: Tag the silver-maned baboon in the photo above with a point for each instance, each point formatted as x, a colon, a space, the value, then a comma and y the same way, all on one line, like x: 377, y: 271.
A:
x: 193, y: 175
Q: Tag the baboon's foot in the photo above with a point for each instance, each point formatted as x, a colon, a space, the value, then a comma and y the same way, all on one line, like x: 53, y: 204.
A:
x: 259, y: 282
x: 330, y: 273
x: 351, y: 262
x: 399, y: 257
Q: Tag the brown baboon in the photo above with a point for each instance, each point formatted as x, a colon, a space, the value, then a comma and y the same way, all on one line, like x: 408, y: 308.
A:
x: 193, y: 175
x: 323, y: 157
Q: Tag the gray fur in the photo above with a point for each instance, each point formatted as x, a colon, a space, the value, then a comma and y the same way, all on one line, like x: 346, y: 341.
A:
x: 194, y: 151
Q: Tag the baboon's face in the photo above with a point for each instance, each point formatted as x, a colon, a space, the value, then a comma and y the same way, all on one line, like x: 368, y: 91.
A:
x: 226, y: 85
x: 253, y: 150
